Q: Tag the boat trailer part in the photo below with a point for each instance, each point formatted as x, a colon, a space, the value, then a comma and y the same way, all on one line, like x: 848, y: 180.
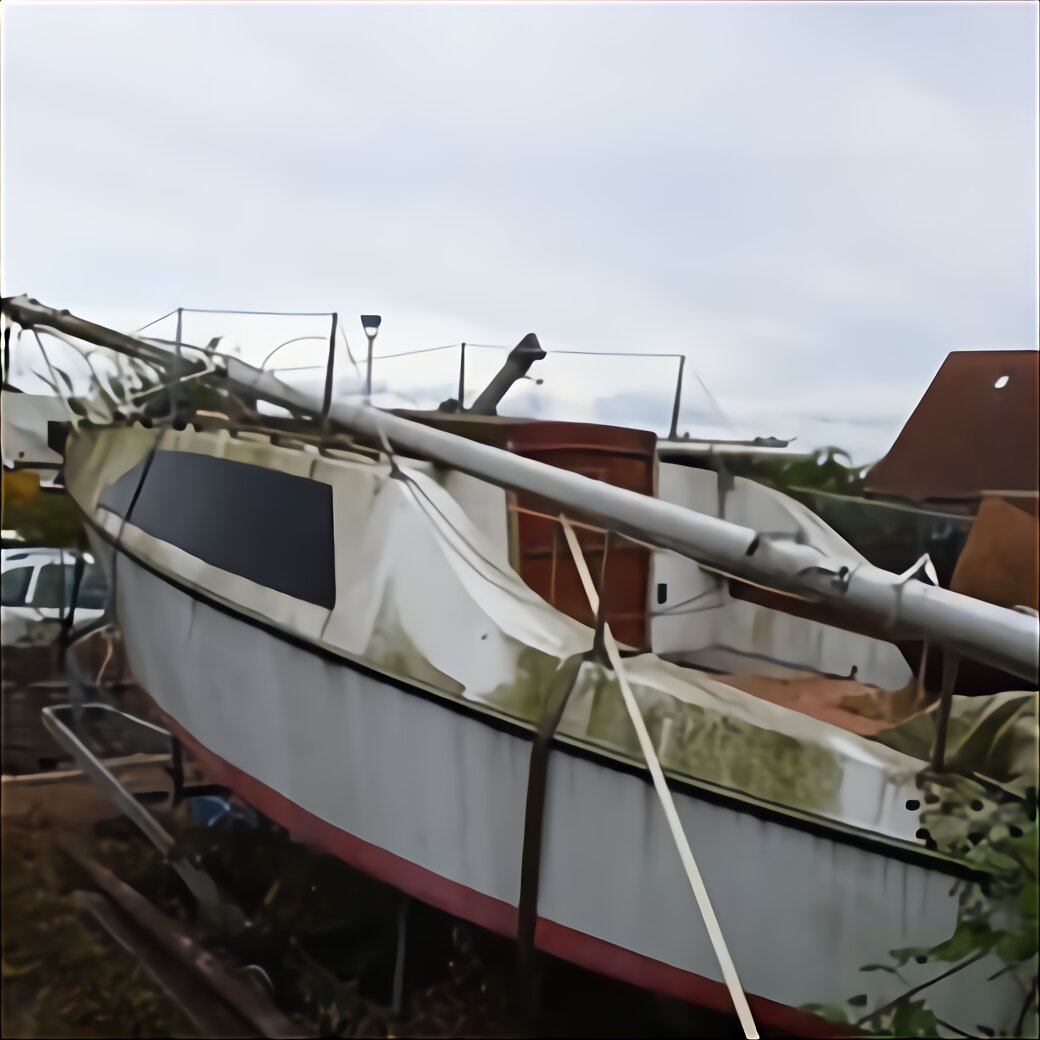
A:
x: 163, y: 946
x: 209, y: 1015
x: 264, y: 1017
x: 213, y: 905
x: 998, y: 636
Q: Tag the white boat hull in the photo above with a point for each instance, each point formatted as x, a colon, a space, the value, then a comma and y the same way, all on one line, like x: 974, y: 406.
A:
x: 431, y: 799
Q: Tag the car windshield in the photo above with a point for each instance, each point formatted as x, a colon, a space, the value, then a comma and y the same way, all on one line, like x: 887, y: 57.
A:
x: 56, y: 581
x: 53, y: 586
x: 93, y: 589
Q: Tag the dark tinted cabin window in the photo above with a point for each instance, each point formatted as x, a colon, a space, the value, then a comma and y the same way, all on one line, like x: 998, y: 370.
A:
x: 271, y: 527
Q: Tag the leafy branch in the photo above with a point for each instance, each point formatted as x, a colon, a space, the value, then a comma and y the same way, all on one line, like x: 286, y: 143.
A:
x: 998, y: 916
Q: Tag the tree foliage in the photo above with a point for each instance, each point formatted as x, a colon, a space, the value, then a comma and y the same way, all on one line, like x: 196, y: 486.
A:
x: 49, y: 518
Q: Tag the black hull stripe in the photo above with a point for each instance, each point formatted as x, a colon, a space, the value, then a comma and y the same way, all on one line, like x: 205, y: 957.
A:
x: 715, y: 795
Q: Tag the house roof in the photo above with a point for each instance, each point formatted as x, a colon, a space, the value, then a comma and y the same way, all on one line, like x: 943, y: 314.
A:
x: 974, y: 430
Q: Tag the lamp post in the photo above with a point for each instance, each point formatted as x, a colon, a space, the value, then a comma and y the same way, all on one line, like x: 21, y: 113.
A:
x: 370, y: 323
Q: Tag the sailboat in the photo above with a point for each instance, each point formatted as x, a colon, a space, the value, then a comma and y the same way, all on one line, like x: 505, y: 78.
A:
x: 535, y: 675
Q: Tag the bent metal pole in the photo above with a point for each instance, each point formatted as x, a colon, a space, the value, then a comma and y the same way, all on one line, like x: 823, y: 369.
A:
x: 999, y: 636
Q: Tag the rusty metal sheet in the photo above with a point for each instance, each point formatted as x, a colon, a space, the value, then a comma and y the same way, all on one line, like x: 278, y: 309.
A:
x: 974, y: 430
x: 1000, y: 562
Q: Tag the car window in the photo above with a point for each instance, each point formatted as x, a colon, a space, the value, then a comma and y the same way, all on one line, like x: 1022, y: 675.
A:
x: 56, y: 581
x: 93, y: 588
x: 53, y: 586
x: 14, y: 584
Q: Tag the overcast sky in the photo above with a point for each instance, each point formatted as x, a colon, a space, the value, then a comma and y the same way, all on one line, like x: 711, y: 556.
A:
x: 814, y: 203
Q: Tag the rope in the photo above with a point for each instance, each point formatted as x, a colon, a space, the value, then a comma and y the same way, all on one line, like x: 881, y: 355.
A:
x: 729, y: 972
x: 104, y: 663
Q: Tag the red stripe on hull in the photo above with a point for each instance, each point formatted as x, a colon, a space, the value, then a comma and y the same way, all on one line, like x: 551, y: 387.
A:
x: 607, y: 959
x: 425, y: 885
x: 497, y: 916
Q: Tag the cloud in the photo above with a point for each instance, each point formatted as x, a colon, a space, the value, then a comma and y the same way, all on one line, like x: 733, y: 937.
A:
x: 814, y: 204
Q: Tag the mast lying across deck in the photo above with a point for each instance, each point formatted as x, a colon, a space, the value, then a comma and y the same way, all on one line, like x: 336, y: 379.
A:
x: 1004, y: 638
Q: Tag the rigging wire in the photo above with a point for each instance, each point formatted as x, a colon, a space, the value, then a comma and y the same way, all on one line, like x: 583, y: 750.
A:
x: 295, y: 339
x: 412, y: 353
x: 350, y: 353
x: 155, y: 321
x: 711, y: 397
x: 85, y: 355
x: 262, y: 314
x: 43, y: 350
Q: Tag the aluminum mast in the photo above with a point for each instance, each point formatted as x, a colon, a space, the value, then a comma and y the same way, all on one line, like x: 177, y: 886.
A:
x: 1004, y: 638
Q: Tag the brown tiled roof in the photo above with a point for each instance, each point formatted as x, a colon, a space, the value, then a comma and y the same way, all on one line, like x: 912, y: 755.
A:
x: 967, y: 435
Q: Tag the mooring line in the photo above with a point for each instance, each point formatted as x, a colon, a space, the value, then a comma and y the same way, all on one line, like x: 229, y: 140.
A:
x: 718, y: 942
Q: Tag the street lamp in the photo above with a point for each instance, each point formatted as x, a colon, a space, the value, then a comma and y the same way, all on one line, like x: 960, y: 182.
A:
x: 370, y: 323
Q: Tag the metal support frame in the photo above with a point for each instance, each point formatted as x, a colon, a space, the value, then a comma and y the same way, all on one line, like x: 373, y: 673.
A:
x: 262, y: 1017
x: 326, y: 403
x: 93, y: 767
x: 534, y: 815
x: 401, y: 952
x: 599, y: 651
x: 211, y: 1017
x: 77, y: 690
x: 673, y: 430
x: 950, y: 666
x: 212, y: 905
x: 462, y: 377
x: 370, y: 322
x: 70, y: 616
x: 181, y: 791
x: 179, y: 350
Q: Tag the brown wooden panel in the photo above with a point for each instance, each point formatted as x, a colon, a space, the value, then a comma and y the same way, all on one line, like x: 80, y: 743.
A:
x: 617, y: 456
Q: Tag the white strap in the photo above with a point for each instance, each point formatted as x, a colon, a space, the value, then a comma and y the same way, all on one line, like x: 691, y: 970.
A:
x: 729, y: 972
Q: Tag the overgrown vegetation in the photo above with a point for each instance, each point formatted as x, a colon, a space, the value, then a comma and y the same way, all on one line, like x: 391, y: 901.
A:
x: 61, y: 975
x: 48, y: 519
x: 890, y: 535
x: 823, y: 470
x: 992, y: 825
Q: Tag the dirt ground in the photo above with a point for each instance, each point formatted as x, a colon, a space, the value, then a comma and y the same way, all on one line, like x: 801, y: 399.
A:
x: 63, y: 976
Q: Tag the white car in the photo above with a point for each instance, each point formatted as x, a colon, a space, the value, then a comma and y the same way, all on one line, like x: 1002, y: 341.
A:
x: 36, y: 594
